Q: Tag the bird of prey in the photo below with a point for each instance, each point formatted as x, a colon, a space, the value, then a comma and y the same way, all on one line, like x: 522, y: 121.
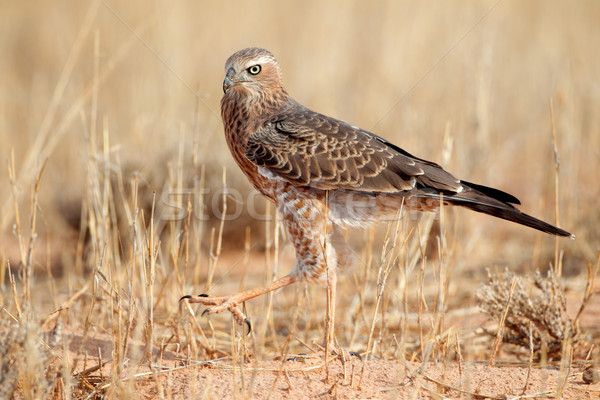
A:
x: 324, y: 174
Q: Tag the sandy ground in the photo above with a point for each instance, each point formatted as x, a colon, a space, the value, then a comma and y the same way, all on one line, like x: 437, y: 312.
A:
x: 310, y: 377
x: 172, y: 375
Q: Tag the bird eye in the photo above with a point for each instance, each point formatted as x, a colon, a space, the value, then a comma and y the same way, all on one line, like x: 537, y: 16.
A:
x: 254, y: 70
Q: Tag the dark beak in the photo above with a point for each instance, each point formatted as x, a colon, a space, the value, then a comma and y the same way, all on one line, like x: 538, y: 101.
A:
x: 227, y: 82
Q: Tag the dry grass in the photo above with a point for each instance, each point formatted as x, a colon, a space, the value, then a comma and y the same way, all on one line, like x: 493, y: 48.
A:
x: 116, y: 178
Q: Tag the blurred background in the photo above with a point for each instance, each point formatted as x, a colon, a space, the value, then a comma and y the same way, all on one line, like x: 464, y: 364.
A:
x: 118, y: 104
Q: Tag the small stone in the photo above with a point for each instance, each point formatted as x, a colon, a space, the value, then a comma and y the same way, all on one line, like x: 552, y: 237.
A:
x: 590, y: 375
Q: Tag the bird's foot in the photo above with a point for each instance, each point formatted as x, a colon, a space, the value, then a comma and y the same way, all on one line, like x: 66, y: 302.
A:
x: 216, y: 305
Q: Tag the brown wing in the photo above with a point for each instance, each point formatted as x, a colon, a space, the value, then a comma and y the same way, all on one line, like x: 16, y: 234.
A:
x: 310, y: 149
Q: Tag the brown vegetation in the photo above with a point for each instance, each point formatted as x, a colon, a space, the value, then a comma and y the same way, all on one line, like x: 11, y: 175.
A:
x: 120, y: 196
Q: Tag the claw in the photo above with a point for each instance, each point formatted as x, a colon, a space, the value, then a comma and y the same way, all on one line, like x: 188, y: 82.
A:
x: 189, y: 296
x: 249, y: 325
x: 221, y: 304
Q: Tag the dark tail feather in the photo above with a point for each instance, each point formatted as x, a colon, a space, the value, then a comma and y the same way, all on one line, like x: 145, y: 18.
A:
x: 493, y: 202
x: 493, y: 193
x: 512, y: 214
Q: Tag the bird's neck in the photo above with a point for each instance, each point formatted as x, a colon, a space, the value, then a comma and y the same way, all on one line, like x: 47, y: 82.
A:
x: 242, y: 116
x: 244, y: 112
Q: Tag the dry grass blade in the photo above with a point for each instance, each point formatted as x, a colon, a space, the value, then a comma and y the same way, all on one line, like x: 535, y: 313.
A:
x: 500, y: 333
x: 589, y: 287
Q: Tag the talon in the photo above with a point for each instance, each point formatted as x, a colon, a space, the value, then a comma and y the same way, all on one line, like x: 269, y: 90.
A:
x: 247, y: 322
x: 355, y: 354
x: 189, y: 296
x: 205, y: 311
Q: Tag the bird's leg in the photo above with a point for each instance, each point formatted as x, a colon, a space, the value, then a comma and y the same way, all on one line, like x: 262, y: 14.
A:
x: 331, y: 346
x: 231, y: 303
x: 331, y: 286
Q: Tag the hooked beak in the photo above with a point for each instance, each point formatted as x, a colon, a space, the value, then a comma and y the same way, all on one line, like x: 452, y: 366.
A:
x: 227, y: 82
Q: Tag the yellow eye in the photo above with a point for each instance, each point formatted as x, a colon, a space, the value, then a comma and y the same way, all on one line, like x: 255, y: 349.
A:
x: 254, y: 70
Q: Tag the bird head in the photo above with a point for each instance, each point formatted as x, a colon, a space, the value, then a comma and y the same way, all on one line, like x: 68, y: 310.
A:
x: 251, y: 71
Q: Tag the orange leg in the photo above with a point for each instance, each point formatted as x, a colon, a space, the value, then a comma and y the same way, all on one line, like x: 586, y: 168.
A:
x: 330, y: 345
x: 231, y: 303
x: 330, y: 332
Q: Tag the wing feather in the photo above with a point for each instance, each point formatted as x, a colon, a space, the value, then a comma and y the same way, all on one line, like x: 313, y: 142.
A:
x: 311, y: 149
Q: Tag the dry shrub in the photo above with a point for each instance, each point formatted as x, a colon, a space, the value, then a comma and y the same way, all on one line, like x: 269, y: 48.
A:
x: 25, y: 367
x: 537, y: 303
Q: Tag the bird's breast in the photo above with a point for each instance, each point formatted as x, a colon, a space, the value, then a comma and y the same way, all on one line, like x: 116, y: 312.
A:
x: 239, y: 122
